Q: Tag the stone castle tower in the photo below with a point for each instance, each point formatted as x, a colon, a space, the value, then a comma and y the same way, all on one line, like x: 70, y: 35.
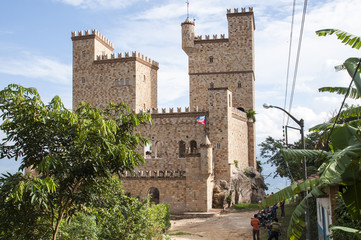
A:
x: 222, y: 62
x: 183, y: 163
x: 100, y: 77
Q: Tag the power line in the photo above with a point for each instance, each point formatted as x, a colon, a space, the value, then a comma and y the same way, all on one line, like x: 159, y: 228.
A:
x: 298, y: 56
x: 289, y: 59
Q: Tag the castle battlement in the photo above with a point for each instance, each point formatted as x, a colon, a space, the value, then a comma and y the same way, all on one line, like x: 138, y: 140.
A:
x: 243, y: 10
x: 207, y: 37
x: 127, y: 55
x: 93, y: 33
x: 156, y: 174
x: 173, y: 110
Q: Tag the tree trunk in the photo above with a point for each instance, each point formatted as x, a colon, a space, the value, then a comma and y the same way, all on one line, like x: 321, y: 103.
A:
x: 55, y: 231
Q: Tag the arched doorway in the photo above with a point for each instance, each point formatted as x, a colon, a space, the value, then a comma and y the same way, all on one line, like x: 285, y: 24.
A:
x: 154, y: 195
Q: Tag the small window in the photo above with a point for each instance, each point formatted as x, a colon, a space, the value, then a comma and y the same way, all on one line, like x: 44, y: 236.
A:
x: 101, y: 78
x: 182, y: 149
x: 144, y: 78
x: 193, y: 145
x: 121, y: 81
x: 82, y: 80
x: 218, y: 146
x: 116, y: 82
x: 239, y: 84
x: 83, y: 53
x: 211, y: 85
x: 210, y: 59
x: 127, y: 81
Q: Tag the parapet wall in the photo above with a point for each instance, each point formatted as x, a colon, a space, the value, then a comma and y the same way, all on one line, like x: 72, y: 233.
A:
x: 156, y: 174
x: 243, y: 10
x: 91, y: 34
x: 119, y: 56
x: 172, y: 110
x: 127, y: 55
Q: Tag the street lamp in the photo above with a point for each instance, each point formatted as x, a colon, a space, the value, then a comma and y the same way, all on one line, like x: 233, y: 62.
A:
x: 301, y: 124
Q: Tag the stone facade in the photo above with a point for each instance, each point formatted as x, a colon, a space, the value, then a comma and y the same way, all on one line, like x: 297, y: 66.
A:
x: 185, y: 158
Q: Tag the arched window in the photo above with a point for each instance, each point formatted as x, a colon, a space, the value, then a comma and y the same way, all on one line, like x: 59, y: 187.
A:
x: 121, y: 81
x: 127, y: 81
x: 182, y: 149
x: 211, y: 59
x: 239, y: 84
x: 158, y: 149
x: 193, y: 145
x: 211, y: 85
x: 148, y: 150
x: 154, y: 195
x: 116, y: 82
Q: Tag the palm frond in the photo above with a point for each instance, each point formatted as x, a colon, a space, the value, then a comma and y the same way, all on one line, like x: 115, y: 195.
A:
x: 354, y: 94
x: 345, y: 37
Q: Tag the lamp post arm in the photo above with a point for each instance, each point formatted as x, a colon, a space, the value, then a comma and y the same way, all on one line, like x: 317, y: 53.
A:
x: 299, y: 122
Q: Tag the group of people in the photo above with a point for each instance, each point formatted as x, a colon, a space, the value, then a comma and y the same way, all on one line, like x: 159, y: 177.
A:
x: 267, y: 217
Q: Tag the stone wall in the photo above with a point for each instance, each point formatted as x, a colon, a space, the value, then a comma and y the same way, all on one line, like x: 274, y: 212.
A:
x: 224, y: 62
x: 171, y: 190
x: 238, y: 138
x: 101, y: 77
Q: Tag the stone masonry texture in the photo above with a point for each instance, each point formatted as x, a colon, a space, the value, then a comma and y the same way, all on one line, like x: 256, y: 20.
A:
x: 184, y: 157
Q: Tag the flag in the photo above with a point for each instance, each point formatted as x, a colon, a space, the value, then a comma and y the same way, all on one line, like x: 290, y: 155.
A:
x: 187, y: 3
x: 201, y: 120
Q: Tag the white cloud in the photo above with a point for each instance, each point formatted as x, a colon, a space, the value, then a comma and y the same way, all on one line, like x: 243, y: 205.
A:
x: 100, y: 4
x: 37, y: 67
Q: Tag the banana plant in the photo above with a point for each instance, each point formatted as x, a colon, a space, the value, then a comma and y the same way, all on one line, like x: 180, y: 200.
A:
x: 342, y: 164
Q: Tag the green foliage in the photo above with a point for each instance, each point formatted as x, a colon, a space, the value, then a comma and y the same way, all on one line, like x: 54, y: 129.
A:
x: 22, y: 216
x: 81, y: 226
x: 343, y: 218
x: 236, y: 163
x: 252, y: 206
x: 71, y: 151
x: 251, y: 114
x: 121, y: 217
x: 353, y: 93
x: 345, y: 37
x: 290, y: 167
x: 341, y: 165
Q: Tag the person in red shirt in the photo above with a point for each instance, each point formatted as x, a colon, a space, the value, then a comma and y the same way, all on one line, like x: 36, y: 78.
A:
x: 255, y: 224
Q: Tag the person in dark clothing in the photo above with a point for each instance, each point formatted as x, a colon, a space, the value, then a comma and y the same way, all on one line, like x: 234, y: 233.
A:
x: 275, y: 229
x: 274, y: 211
x: 282, y: 206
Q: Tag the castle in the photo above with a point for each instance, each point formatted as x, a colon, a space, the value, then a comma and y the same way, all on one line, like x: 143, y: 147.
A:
x: 185, y: 157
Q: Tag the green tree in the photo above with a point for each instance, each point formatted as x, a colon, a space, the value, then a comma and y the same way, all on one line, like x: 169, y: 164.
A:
x: 341, y: 164
x: 271, y: 150
x: 70, y: 150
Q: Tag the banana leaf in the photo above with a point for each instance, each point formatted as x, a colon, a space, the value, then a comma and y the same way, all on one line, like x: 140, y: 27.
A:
x: 345, y: 37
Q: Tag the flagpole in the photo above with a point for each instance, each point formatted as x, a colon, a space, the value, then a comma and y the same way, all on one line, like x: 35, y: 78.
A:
x: 187, y: 9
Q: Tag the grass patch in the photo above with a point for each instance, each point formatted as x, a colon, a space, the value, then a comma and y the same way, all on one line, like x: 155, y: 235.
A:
x: 252, y: 206
x: 180, y: 233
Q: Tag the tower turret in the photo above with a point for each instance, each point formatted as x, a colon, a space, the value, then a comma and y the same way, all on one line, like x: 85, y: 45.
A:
x: 206, y: 156
x: 187, y: 36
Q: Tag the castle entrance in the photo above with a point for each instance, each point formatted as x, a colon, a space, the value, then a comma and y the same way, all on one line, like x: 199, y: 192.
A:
x: 154, y: 195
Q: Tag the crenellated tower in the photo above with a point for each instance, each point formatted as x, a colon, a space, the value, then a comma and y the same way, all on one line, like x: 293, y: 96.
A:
x: 101, y: 77
x: 220, y: 62
x: 188, y: 36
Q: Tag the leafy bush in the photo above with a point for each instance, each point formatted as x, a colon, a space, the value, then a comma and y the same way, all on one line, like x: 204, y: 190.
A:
x: 344, y: 219
x: 82, y: 226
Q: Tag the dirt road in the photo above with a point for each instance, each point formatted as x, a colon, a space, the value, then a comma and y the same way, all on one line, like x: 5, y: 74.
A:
x: 228, y: 226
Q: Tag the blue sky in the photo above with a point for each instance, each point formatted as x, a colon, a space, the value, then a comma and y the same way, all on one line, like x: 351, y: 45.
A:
x: 36, y: 49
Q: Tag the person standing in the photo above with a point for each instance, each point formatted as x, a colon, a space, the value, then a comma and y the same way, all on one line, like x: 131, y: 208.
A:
x: 255, y: 224
x: 275, y: 229
x: 282, y: 206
